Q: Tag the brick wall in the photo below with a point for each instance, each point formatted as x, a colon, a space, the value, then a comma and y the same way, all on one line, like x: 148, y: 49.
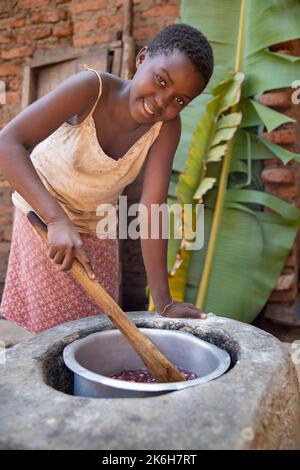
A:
x: 27, y: 26
x: 284, y: 181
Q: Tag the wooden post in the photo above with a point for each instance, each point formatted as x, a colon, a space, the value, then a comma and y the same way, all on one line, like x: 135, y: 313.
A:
x: 128, y: 56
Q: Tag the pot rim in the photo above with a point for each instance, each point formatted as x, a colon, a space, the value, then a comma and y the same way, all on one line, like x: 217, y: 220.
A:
x: 74, y: 366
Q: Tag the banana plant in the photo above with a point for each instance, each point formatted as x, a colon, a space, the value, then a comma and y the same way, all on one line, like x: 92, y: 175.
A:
x: 209, y: 143
x: 245, y: 247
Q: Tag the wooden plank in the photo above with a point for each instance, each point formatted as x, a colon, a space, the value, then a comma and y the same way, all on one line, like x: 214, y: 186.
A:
x: 28, y: 86
x: 42, y: 58
x: 97, y: 60
x: 117, y: 60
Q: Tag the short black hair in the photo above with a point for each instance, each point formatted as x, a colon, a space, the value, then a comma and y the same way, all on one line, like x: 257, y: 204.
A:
x: 190, y: 41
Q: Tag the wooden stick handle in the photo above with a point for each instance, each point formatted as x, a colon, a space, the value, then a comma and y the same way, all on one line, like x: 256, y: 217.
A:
x: 157, y: 364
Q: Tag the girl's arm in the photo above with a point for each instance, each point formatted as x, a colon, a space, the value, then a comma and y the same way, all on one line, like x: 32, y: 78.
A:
x: 34, y: 124
x: 72, y: 97
x: 157, y: 176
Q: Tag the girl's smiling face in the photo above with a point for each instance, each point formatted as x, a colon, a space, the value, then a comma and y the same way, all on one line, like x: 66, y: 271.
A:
x: 162, y: 86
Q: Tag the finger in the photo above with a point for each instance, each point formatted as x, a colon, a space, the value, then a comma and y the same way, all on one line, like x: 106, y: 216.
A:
x: 68, y: 261
x: 52, y: 251
x: 84, y: 260
x: 59, y: 257
x: 193, y: 307
x: 196, y: 313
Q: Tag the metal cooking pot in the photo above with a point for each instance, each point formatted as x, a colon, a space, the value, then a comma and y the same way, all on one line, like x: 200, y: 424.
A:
x: 95, y: 358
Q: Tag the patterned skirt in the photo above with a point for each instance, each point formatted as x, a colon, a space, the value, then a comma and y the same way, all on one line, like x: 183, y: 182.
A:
x: 38, y: 295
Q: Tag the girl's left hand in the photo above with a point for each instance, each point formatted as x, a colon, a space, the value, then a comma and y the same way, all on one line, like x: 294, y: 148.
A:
x: 184, y: 310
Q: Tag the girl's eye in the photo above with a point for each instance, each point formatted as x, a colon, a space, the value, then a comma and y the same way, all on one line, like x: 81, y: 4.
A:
x: 161, y: 81
x: 180, y: 101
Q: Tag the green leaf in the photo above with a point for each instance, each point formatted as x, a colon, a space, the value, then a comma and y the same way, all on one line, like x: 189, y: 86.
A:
x: 229, y: 120
x: 205, y: 185
x: 269, y: 117
x: 250, y: 253
x: 283, y: 154
x: 223, y: 135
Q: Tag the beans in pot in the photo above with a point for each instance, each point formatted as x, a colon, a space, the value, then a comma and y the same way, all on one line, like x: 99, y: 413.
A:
x: 143, y: 376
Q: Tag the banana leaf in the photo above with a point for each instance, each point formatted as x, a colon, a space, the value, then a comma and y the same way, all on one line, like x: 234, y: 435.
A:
x: 246, y: 236
x: 250, y: 252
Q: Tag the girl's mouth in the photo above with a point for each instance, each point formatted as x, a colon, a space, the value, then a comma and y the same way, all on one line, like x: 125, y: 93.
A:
x: 148, y: 110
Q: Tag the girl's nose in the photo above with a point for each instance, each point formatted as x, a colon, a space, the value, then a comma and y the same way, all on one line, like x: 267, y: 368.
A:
x: 163, y: 101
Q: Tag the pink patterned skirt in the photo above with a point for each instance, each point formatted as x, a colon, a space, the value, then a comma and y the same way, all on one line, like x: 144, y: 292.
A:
x: 37, y: 294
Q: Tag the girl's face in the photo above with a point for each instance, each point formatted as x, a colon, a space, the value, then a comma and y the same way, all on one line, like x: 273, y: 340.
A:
x: 162, y: 86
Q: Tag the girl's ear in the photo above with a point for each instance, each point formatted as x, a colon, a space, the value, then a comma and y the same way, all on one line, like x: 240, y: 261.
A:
x: 141, y: 56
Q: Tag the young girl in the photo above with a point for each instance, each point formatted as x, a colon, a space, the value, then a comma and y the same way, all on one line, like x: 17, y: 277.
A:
x: 91, y: 136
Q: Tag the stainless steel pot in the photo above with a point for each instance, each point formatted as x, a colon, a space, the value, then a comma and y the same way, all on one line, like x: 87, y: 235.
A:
x: 95, y: 358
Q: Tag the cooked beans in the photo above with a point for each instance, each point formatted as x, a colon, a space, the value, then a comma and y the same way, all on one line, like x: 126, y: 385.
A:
x: 143, y: 376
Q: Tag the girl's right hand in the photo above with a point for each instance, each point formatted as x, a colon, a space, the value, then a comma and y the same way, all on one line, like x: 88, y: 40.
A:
x: 65, y: 244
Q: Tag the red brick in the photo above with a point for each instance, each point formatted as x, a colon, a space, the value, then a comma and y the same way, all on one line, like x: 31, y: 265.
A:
x: 105, y: 21
x: 62, y: 31
x: 281, y: 137
x: 290, y: 112
x: 6, y: 219
x: 84, y: 26
x: 7, y: 235
x: 17, y: 52
x: 4, y: 7
x: 4, y: 39
x: 292, y: 258
x: 52, y: 44
x: 7, y: 23
x: 27, y: 4
x: 99, y: 39
x: 38, y: 33
x: 284, y: 296
x: 161, y: 11
x: 18, y: 22
x: 273, y: 162
x: 283, y: 51
x: 6, y: 209
x: 278, y: 175
x: 10, y: 69
x: 286, y: 282
x: 277, y: 99
x: 292, y: 46
x: 88, y: 5
x: 288, y: 193
x: 49, y: 16
x: 13, y: 97
x: 14, y: 84
x: 145, y: 32
x: 4, y: 247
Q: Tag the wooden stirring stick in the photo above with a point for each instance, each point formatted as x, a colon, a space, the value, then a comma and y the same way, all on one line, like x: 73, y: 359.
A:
x: 158, y: 365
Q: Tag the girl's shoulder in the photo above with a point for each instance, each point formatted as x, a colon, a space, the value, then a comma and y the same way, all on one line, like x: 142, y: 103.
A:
x: 110, y: 84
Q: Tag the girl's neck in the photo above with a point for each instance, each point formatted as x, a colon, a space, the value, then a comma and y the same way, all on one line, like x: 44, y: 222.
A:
x: 121, y: 113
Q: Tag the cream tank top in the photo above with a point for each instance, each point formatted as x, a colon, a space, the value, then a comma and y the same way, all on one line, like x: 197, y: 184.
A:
x: 79, y: 174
